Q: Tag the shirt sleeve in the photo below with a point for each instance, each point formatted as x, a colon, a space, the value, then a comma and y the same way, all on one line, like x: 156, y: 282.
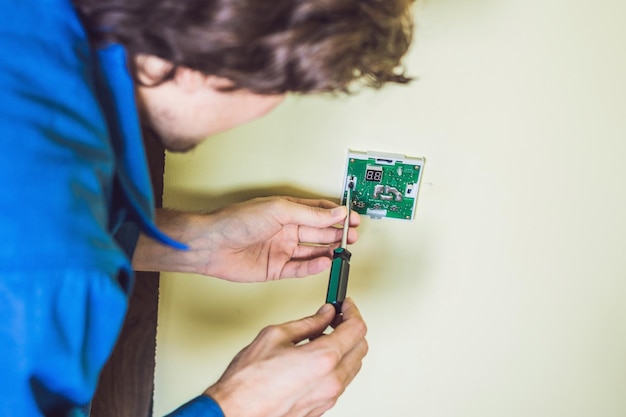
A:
x: 202, y: 405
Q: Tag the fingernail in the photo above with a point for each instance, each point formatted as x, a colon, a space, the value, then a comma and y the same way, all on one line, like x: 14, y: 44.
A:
x: 337, y: 211
x: 325, y: 309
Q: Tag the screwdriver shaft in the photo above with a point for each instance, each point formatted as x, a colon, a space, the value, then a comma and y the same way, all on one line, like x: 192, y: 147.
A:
x: 346, y: 223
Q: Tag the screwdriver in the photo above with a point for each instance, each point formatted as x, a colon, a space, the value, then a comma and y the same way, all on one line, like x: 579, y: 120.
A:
x: 340, y: 268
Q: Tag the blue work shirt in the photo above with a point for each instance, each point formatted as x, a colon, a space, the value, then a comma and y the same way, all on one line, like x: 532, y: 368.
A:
x: 74, y: 171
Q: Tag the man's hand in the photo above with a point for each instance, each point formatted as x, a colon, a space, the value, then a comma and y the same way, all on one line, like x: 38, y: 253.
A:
x: 280, y: 376
x: 258, y: 240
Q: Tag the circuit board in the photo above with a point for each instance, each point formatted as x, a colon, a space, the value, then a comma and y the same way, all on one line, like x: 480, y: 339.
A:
x: 383, y: 185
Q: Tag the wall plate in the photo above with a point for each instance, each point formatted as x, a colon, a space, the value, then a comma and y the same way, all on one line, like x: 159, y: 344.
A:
x: 383, y: 184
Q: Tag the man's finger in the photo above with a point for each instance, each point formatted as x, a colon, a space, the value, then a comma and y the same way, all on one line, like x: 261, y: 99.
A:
x: 351, y: 329
x: 312, y: 202
x: 348, y: 334
x: 325, y: 236
x: 305, y: 268
x: 286, y: 211
x: 305, y: 328
x: 351, y: 363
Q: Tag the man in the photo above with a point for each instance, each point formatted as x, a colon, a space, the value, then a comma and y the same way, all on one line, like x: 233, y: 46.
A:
x: 78, y: 83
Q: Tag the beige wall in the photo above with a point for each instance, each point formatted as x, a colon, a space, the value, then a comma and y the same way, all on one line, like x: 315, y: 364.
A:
x: 505, y: 296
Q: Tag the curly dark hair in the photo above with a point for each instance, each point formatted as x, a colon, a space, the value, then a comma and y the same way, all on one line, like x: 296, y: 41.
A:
x: 266, y: 46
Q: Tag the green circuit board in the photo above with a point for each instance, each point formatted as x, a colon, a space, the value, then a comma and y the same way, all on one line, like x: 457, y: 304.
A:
x: 383, y: 185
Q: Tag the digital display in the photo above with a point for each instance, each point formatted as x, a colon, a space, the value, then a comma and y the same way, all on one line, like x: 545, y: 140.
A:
x: 374, y: 175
